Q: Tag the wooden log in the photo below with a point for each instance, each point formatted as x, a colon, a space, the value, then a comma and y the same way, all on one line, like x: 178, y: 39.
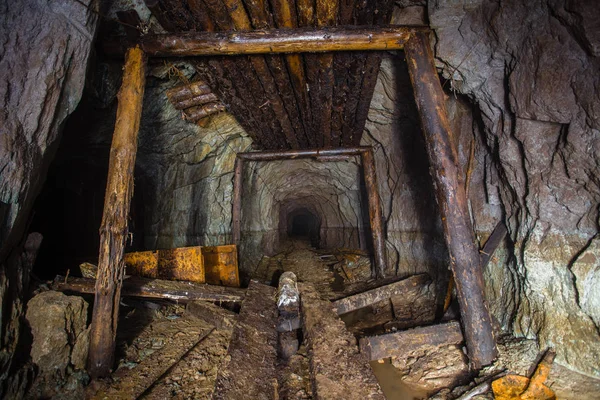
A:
x: 197, y: 101
x: 305, y: 153
x: 288, y: 303
x: 375, y: 215
x: 195, y: 114
x: 361, y: 300
x: 450, y: 194
x: 113, y: 230
x: 156, y: 289
x: 133, y: 383
x: 338, y: 370
x: 241, y: 22
x: 492, y: 243
x: 163, y: 19
x: 236, y: 212
x: 182, y: 93
x: 200, y: 15
x: 301, y: 40
x: 397, y: 343
x: 249, y: 370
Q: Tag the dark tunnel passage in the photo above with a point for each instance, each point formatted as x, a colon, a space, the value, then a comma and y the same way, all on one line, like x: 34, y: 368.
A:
x: 304, y: 224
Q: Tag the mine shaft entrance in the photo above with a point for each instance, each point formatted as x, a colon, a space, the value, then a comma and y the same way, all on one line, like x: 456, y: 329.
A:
x: 304, y: 225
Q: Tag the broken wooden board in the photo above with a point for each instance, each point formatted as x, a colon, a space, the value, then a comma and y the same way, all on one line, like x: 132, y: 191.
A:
x: 400, y: 288
x: 156, y: 289
x: 219, y: 317
x: 249, y: 371
x: 132, y: 383
x: 221, y: 265
x: 338, y: 370
x: 397, y: 343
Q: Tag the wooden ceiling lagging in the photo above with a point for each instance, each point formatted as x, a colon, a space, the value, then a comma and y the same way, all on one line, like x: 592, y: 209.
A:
x: 291, y: 101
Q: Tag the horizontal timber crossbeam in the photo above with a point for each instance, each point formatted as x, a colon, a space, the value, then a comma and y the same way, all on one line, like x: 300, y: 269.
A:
x: 300, y: 40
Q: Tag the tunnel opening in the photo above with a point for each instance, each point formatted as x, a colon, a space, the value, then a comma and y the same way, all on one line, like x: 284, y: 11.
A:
x: 302, y: 224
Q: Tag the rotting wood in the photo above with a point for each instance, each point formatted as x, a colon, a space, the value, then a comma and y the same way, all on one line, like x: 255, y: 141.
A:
x: 195, y: 114
x: 133, y: 383
x: 492, y: 243
x: 196, y: 101
x: 397, y: 343
x: 338, y: 370
x: 113, y: 230
x: 249, y: 371
x: 364, y: 299
x: 156, y: 289
x: 218, y: 317
x: 305, y: 153
x: 182, y: 93
x: 375, y: 215
x: 300, y: 40
x: 236, y: 212
x: 288, y: 303
x: 450, y: 194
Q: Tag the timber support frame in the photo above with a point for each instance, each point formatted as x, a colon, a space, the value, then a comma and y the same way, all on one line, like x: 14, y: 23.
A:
x: 370, y: 179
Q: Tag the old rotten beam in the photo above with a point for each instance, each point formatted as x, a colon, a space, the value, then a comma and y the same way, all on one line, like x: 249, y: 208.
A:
x: 375, y: 215
x: 451, y: 198
x: 236, y: 213
x: 300, y: 40
x: 150, y: 288
x: 249, y: 370
x: 373, y: 296
x: 398, y: 343
x: 338, y: 370
x: 308, y: 153
x: 113, y: 230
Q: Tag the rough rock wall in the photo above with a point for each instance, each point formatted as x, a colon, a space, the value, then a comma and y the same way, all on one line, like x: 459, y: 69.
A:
x: 43, y: 58
x: 530, y: 68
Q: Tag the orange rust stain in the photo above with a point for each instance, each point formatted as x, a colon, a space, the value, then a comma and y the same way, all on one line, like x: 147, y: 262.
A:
x: 221, y: 265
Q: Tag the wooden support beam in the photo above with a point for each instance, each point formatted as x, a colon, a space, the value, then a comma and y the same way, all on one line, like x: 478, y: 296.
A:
x: 236, y: 212
x: 309, y: 153
x: 147, y: 288
x: 451, y: 197
x: 249, y: 370
x: 373, y: 296
x: 338, y: 370
x: 375, y: 215
x: 113, y: 230
x: 300, y: 40
x: 398, y: 343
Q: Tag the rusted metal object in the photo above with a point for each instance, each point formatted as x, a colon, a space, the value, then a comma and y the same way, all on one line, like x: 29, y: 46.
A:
x: 181, y: 264
x: 217, y: 265
x: 370, y: 177
x: 396, y: 343
x: 330, y: 346
x: 149, y: 288
x: 364, y: 299
x: 221, y: 265
x: 516, y: 387
x: 452, y: 200
x: 300, y: 40
x: 249, y: 370
x: 113, y: 230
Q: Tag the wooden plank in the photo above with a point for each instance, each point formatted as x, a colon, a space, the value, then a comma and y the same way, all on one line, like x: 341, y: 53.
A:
x: 133, y: 383
x: 375, y: 214
x: 156, y: 289
x: 397, y: 343
x: 338, y: 370
x: 117, y: 200
x: 221, y: 265
x: 249, y: 371
x: 452, y: 200
x: 492, y: 243
x: 300, y: 40
x: 361, y: 300
x: 236, y: 212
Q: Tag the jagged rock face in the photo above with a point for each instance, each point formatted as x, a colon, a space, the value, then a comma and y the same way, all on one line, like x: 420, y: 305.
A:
x: 43, y: 59
x: 530, y: 69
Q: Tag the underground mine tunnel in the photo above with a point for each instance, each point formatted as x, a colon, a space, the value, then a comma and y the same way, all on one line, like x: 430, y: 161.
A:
x: 293, y: 199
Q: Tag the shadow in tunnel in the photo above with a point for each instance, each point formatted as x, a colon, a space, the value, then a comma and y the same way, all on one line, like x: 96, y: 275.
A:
x: 303, y: 224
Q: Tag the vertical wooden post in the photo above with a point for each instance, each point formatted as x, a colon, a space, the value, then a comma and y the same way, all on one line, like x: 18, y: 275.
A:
x: 452, y: 201
x: 375, y: 216
x: 113, y: 230
x: 236, y: 213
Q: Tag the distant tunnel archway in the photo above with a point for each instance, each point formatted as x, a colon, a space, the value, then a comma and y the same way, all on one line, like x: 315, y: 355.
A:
x: 302, y: 223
